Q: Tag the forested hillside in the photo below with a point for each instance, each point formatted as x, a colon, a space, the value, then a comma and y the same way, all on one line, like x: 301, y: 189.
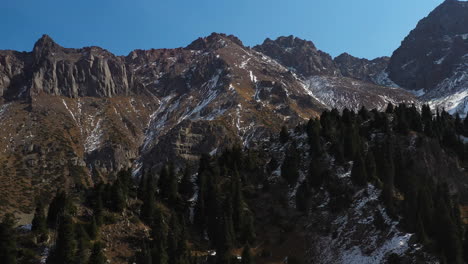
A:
x: 404, y: 166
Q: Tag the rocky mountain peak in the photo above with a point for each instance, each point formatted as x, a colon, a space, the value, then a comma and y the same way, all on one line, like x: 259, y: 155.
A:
x: 291, y: 42
x: 362, y: 69
x: 214, y: 41
x: 448, y: 18
x: 432, y: 58
x: 44, y: 46
x: 299, y: 55
x: 44, y: 41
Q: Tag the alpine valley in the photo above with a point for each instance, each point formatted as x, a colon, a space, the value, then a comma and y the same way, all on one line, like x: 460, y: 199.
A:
x: 222, y: 153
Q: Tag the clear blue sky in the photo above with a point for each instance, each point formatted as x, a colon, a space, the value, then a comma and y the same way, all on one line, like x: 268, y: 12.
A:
x: 363, y: 28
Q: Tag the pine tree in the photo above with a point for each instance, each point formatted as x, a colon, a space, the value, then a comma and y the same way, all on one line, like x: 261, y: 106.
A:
x: 118, y: 199
x: 97, y: 257
x: 465, y: 246
x: 421, y: 231
x: 56, y: 209
x: 159, y: 231
x: 173, y: 186
x: 39, y: 223
x: 337, y: 150
x: 351, y: 141
x: 183, y: 252
x: 168, y: 184
x: 142, y: 186
x: 126, y: 182
x: 371, y: 168
x: 144, y: 257
x: 223, y: 241
x: 159, y: 228
x: 213, y: 205
x: 313, y: 132
x: 229, y: 212
x: 172, y: 249
x: 93, y: 229
x: 148, y: 197
x: 248, y: 232
x: 465, y: 126
x: 447, y: 238
x: 290, y: 167
x: 389, y: 109
x: 200, y: 206
x: 302, y: 195
x: 426, y: 113
x: 8, y: 248
x: 347, y: 117
x: 364, y: 114
x: 428, y: 129
x: 186, y: 184
x: 159, y: 254
x: 65, y: 247
x: 386, y: 170
x: 284, y: 135
x: 246, y: 255
x: 458, y: 124
x: 164, y: 182
x: 203, y: 166
x: 237, y: 202
x: 83, y: 245
x: 316, y: 175
x: 98, y: 207
x: 358, y: 172
x: 425, y: 209
x: 414, y: 118
x: 401, y: 120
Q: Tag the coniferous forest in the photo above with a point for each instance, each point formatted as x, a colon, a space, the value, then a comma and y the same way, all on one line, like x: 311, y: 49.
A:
x: 221, y: 209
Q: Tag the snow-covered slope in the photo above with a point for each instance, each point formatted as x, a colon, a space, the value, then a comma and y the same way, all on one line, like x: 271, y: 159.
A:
x: 354, y: 236
x: 340, y: 93
x: 452, y: 92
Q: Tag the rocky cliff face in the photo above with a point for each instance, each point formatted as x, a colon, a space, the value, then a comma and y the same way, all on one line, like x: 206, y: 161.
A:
x: 427, y: 55
x: 363, y: 69
x: 432, y: 58
x: 54, y: 70
x: 299, y: 55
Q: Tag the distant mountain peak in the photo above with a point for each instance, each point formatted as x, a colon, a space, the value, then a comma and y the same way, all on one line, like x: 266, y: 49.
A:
x: 299, y: 55
x: 432, y: 59
x: 214, y: 41
x: 290, y: 42
x: 44, y: 41
x: 45, y: 45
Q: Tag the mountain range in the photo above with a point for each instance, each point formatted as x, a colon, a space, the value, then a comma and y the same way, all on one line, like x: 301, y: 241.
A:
x: 72, y: 117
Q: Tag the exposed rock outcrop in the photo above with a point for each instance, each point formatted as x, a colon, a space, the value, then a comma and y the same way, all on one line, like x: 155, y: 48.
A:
x: 300, y: 55
x: 432, y: 51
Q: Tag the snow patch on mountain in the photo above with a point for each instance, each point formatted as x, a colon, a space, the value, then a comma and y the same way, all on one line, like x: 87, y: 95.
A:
x: 440, y: 61
x: 454, y: 103
x: 324, y: 90
x: 452, y: 94
x: 151, y: 132
x: 94, y: 140
x: 73, y: 115
x: 407, y: 64
x: 356, y: 240
x: 253, y: 78
x: 383, y: 79
x: 418, y: 93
